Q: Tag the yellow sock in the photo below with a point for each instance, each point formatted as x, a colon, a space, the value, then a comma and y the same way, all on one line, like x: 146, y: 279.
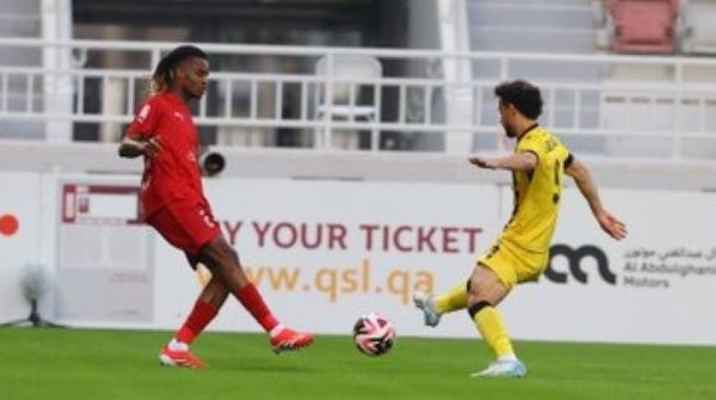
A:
x: 490, y: 325
x: 453, y: 300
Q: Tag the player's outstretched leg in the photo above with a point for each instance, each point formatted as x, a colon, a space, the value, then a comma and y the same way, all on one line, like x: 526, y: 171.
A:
x: 223, y: 261
x: 434, y: 307
x: 486, y: 291
x: 489, y: 323
x: 177, y: 353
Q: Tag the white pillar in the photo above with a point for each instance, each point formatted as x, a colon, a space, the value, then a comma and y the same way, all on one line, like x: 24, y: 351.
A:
x: 114, y: 90
x: 459, y: 102
x: 57, y: 92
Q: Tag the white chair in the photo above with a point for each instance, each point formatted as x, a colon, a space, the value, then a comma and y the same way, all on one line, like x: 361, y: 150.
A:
x: 363, y: 69
x: 700, y: 30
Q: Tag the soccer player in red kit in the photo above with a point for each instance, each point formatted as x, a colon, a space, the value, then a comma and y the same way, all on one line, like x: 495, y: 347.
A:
x: 173, y: 202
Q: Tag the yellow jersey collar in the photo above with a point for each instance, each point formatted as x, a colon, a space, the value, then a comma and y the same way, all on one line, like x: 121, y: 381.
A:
x: 526, y: 131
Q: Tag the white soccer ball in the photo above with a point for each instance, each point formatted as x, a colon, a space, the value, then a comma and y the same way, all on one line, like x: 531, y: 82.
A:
x: 373, y: 334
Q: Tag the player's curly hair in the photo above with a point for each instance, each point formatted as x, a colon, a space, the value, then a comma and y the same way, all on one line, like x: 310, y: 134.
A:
x: 523, y: 95
x: 163, y: 77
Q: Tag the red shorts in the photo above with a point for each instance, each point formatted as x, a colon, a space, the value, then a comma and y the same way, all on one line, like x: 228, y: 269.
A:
x: 187, y: 225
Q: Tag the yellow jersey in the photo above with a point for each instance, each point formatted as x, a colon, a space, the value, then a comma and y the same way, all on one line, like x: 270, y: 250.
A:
x: 537, y: 195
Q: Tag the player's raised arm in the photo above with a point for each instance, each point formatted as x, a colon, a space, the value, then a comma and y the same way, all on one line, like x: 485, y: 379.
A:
x: 522, y: 161
x: 609, y: 223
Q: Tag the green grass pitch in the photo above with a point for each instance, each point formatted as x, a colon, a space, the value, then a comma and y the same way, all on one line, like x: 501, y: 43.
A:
x: 89, y: 364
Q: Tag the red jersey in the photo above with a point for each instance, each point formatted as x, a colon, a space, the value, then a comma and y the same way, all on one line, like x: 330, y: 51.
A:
x: 173, y: 173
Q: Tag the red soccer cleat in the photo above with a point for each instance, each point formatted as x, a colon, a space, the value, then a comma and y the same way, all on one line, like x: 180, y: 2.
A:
x: 290, y: 340
x: 186, y: 359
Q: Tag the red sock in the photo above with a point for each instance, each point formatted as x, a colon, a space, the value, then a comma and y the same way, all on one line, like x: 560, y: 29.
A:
x: 251, y: 299
x: 199, y: 318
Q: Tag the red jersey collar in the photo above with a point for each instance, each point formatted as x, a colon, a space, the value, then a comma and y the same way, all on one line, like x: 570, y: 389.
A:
x: 173, y: 98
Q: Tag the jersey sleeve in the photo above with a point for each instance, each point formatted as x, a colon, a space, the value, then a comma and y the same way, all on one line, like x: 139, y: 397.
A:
x: 532, y: 144
x: 146, y: 121
x: 565, y: 155
x: 569, y: 160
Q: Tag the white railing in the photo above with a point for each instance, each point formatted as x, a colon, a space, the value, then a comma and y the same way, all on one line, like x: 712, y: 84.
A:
x: 667, y: 109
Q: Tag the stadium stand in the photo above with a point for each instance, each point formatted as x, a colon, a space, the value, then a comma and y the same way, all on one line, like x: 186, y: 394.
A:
x: 589, y: 90
x: 563, y: 26
x: 604, y: 106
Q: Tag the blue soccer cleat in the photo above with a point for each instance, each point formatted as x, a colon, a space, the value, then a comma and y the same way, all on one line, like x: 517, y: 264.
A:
x: 503, y: 369
x: 426, y: 303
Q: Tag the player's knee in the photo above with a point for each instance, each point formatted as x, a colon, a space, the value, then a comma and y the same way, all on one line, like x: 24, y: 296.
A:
x: 475, y: 307
x: 234, y: 255
x: 223, y: 252
x: 229, y: 256
x: 216, y: 257
x: 473, y: 286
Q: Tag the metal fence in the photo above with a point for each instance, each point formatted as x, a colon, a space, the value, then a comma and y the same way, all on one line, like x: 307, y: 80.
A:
x: 660, y: 107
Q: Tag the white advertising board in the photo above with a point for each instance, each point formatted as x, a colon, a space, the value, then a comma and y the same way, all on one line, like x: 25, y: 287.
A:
x: 20, y: 225
x: 104, y: 271
x: 656, y: 286
x: 324, y: 252
x: 653, y: 287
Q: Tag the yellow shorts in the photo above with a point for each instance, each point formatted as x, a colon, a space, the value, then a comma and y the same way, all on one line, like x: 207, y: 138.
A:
x: 514, y: 265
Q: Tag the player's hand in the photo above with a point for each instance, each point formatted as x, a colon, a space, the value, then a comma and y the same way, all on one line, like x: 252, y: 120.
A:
x: 152, y: 147
x: 611, y: 225
x: 482, y: 162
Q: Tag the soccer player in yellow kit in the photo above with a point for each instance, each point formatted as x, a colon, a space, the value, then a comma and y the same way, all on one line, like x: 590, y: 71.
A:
x: 521, y: 252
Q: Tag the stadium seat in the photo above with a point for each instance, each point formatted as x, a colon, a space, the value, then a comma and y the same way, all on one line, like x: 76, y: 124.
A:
x: 643, y: 26
x: 700, y: 30
x: 343, y: 107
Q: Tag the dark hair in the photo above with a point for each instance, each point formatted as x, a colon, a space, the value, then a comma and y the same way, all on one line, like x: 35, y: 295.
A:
x: 523, y: 95
x: 163, y: 76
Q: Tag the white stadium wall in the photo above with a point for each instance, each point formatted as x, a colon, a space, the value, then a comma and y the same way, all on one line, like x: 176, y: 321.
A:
x: 379, y: 241
x: 20, y: 227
